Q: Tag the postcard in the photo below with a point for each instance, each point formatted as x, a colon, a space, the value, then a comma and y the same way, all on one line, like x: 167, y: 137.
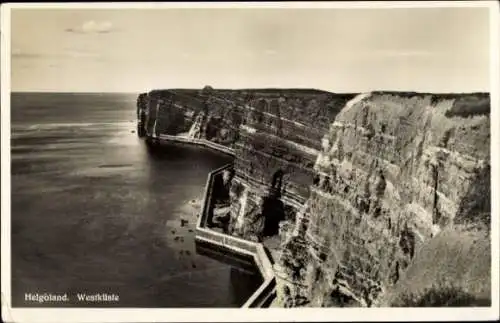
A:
x: 250, y: 161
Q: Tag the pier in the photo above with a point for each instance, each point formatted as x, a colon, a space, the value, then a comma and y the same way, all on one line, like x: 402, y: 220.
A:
x: 243, y: 252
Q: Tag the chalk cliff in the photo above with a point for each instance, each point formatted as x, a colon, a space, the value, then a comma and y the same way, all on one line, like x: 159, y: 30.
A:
x: 354, y: 184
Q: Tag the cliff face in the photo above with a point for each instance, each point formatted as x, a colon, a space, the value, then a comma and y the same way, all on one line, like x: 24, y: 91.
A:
x: 355, y: 185
x: 394, y: 171
x: 276, y: 136
x: 275, y: 156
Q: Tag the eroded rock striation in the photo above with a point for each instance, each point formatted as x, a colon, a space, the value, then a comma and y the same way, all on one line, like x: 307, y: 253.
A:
x: 354, y: 184
x: 275, y: 133
x: 393, y: 172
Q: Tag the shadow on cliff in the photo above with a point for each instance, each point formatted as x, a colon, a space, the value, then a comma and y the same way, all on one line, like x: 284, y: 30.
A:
x: 273, y: 209
x: 475, y: 207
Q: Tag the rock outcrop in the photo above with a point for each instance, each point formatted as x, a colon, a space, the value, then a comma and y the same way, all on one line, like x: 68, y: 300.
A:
x: 395, y: 170
x: 355, y: 185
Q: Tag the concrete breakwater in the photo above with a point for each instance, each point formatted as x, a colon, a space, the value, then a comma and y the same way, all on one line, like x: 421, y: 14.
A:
x: 264, y: 295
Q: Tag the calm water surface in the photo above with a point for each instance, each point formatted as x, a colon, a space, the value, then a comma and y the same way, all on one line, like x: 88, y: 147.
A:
x: 94, y: 211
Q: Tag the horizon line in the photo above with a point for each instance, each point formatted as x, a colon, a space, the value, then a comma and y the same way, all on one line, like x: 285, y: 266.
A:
x: 250, y: 89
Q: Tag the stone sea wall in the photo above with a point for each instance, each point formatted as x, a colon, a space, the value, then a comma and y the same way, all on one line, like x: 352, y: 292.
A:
x: 354, y: 184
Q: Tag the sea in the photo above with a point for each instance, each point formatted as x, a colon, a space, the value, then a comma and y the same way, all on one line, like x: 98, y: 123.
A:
x: 94, y: 211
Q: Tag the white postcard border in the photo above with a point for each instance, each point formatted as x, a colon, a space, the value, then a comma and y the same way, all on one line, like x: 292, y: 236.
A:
x: 10, y: 314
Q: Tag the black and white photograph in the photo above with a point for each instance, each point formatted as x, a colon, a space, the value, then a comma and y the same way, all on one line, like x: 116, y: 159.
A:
x: 285, y: 158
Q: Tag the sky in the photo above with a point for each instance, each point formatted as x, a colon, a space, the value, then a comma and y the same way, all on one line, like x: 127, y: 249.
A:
x: 338, y: 50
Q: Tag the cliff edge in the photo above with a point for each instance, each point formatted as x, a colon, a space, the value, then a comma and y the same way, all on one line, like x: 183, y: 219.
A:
x: 398, y: 176
x: 362, y: 191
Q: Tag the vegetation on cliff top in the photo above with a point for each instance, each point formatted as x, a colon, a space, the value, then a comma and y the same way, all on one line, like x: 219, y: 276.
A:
x: 453, y: 269
x: 439, y: 296
x: 465, y: 104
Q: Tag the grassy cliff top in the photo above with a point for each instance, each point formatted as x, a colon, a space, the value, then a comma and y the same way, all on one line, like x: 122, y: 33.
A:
x: 313, y: 91
x: 453, y: 269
